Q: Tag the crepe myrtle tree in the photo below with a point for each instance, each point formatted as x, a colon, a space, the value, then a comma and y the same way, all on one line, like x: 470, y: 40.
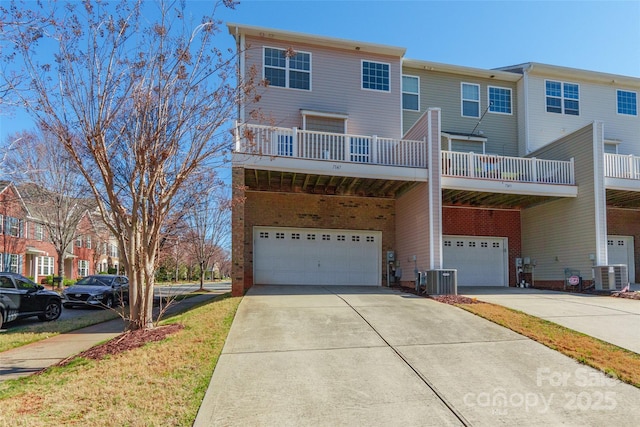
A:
x: 140, y: 98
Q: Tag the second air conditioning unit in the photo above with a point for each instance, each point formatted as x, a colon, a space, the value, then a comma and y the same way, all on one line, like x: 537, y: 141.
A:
x: 442, y: 282
x: 611, y: 277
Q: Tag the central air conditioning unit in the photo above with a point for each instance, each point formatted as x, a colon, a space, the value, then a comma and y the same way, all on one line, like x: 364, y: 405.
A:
x: 611, y: 277
x: 442, y: 282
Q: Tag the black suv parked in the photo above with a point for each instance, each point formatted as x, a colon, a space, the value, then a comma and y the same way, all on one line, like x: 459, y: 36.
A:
x: 20, y: 298
x: 100, y: 290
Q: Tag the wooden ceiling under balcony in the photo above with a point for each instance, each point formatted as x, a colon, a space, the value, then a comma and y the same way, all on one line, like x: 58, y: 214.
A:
x: 265, y: 180
x: 494, y: 200
x: 623, y: 199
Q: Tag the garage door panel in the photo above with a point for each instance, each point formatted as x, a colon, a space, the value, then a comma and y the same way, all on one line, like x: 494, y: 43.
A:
x: 480, y: 261
x: 317, y: 256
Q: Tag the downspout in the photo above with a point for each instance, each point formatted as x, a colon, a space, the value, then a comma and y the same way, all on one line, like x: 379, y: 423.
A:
x: 525, y: 88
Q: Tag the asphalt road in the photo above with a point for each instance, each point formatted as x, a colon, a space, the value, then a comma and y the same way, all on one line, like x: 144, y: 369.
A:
x: 159, y: 291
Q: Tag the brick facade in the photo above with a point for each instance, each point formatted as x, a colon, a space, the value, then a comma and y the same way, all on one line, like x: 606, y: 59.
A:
x: 302, y: 210
x: 489, y: 223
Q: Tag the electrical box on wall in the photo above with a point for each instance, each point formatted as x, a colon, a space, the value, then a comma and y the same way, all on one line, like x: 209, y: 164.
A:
x: 391, y: 256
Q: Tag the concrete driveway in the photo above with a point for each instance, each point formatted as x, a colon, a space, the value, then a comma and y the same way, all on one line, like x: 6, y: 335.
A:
x: 614, y: 320
x: 344, y: 356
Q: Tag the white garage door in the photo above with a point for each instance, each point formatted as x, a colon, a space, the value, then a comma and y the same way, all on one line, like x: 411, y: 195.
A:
x: 306, y: 256
x: 480, y: 261
x: 620, y: 251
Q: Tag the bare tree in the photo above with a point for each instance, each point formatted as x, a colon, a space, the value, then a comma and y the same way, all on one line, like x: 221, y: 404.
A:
x: 52, y: 188
x: 208, y: 229
x: 140, y: 99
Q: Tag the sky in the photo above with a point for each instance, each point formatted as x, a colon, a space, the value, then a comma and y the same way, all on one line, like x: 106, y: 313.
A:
x: 593, y: 35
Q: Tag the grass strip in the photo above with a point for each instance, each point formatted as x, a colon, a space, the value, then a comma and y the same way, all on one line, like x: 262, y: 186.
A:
x: 608, y: 358
x: 160, y: 384
x: 23, y: 335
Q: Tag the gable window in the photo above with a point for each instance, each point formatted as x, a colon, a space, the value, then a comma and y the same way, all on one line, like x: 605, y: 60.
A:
x: 375, y: 76
x: 562, y: 98
x: 411, y: 93
x: 499, y: 100
x: 470, y: 100
x: 287, y: 69
x: 627, y: 102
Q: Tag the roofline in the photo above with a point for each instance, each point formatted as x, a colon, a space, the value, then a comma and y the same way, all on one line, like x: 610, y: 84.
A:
x: 458, y: 69
x: 269, y: 33
x: 559, y: 71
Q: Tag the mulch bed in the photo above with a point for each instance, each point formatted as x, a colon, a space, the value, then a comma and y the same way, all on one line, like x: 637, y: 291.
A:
x: 454, y: 299
x: 126, y: 341
x: 629, y: 295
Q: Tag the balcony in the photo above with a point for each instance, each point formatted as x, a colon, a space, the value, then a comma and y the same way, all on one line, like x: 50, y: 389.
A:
x: 331, y: 147
x: 503, y: 168
x: 622, y: 166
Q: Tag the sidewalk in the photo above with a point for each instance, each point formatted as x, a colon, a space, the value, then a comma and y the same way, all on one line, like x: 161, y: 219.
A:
x: 32, y: 358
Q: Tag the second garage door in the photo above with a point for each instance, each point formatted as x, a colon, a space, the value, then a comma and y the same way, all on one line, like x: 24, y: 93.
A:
x: 306, y: 256
x: 480, y: 261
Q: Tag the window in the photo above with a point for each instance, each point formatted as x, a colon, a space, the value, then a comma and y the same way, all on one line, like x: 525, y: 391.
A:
x: 45, y: 266
x: 83, y: 268
x: 375, y: 76
x: 563, y: 98
x: 14, y: 227
x: 499, y: 100
x: 12, y: 263
x: 470, y: 100
x: 289, y: 69
x: 79, y: 242
x: 38, y: 232
x: 627, y: 103
x: 411, y: 93
x: 611, y: 147
x: 88, y: 242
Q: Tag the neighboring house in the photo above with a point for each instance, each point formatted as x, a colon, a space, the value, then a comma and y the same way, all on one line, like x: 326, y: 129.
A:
x: 25, y: 246
x: 364, y: 162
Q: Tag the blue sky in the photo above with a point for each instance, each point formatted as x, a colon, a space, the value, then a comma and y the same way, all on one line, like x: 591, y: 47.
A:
x: 594, y: 35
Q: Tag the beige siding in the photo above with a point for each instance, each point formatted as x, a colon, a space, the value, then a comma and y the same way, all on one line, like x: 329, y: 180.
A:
x: 335, y: 88
x: 442, y: 90
x: 562, y: 234
x: 412, y: 231
x: 597, y: 102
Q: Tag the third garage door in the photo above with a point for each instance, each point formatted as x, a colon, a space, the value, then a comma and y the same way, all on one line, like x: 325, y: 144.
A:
x: 480, y: 261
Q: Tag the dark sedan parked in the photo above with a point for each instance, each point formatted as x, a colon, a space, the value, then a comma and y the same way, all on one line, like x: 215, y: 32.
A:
x: 100, y: 290
x: 20, y: 298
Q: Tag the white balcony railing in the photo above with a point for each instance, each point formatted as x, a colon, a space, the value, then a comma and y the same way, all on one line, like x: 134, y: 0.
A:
x: 293, y: 142
x: 622, y: 166
x: 503, y: 168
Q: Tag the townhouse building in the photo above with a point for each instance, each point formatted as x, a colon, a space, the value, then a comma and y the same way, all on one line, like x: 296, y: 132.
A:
x: 25, y: 246
x: 365, y: 168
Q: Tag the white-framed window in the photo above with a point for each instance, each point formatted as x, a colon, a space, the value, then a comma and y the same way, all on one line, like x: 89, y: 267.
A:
x: 375, y: 76
x: 1, y: 224
x: 38, y: 232
x: 627, y: 102
x: 499, y: 100
x: 411, y: 93
x: 45, y: 265
x: 470, y: 99
x: 286, y: 68
x: 611, y: 146
x: 79, y: 241
x: 83, y: 268
x: 11, y: 263
x: 14, y: 227
x: 87, y: 242
x: 562, y: 97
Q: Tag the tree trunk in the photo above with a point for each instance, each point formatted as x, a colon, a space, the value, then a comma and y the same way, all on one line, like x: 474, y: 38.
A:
x: 202, y: 265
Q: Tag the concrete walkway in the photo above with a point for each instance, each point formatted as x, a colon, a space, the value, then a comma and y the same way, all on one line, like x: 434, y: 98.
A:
x: 614, y: 320
x: 340, y: 356
x: 32, y: 358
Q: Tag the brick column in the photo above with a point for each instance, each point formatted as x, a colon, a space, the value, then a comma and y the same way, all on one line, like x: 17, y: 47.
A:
x: 237, y: 232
